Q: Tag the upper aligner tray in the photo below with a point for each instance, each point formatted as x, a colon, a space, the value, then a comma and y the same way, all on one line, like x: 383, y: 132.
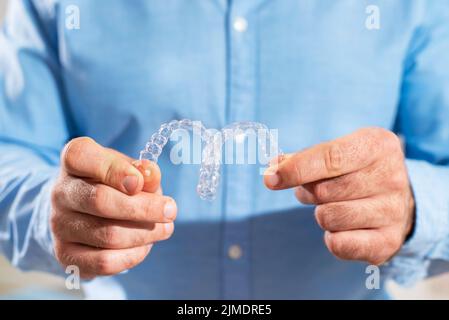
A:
x: 209, y: 178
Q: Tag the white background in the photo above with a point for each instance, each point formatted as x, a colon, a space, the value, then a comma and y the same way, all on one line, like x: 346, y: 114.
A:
x: 2, y: 7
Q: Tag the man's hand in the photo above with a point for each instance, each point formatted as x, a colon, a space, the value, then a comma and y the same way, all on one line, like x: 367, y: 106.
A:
x: 107, y: 212
x: 362, y: 192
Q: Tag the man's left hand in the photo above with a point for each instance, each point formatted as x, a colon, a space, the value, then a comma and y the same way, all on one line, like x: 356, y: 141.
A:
x: 361, y: 188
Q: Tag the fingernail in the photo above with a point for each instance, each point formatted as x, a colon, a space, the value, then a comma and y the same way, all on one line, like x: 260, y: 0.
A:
x: 147, y: 173
x: 170, y: 210
x: 130, y: 183
x: 272, y: 178
x: 169, y: 227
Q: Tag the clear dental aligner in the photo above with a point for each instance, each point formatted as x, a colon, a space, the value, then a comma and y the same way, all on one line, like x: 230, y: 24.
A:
x: 213, y: 141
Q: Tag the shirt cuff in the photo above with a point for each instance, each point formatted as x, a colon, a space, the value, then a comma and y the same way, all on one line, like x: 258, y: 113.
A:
x: 37, y: 254
x: 430, y: 184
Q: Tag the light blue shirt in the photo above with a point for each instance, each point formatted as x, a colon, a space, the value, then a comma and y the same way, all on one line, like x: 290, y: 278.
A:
x: 310, y: 68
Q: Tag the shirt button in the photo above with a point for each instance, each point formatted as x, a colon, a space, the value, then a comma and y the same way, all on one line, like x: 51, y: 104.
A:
x: 240, y: 24
x: 235, y: 252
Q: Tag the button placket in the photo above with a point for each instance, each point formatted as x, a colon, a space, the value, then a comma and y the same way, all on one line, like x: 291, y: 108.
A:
x: 240, y: 24
x: 241, y: 106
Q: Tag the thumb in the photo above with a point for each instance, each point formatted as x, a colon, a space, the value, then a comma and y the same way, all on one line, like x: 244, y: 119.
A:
x: 83, y: 157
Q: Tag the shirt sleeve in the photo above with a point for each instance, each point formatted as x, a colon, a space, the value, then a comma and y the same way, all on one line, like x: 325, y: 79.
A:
x: 423, y: 120
x: 32, y: 132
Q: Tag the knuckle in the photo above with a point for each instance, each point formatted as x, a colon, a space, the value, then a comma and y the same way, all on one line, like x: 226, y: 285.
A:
x: 143, y: 254
x: 375, y: 132
x: 60, y: 191
x: 377, y: 260
x: 141, y: 239
x: 62, y: 256
x: 109, y: 236
x: 141, y: 257
x: 326, y: 216
x: 387, y: 247
x: 321, y: 192
x: 111, y: 170
x: 97, y: 196
x: 57, y: 192
x: 152, y: 209
x: 76, y: 225
x: 73, y: 151
x: 303, y: 196
x: 133, y: 259
x: 299, y: 194
x: 145, y: 210
x: 103, y: 265
x: 107, y: 170
x: 55, y: 223
x: 398, y: 181
x: 391, y: 141
x: 336, y: 246
x: 343, y: 186
x: 394, y: 243
x: 59, y: 252
x: 130, y: 210
x: 381, y: 138
x: 86, y: 276
x: 333, y: 158
x: 298, y: 171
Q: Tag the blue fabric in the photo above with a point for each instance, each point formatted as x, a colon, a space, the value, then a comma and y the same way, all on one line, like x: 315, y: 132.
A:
x: 308, y: 68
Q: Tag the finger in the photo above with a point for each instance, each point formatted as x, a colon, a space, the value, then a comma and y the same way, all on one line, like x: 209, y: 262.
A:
x: 108, y: 234
x: 369, y: 213
x: 100, y: 262
x: 331, y: 159
x: 83, y: 157
x: 278, y: 159
x: 120, y: 155
x: 106, y: 202
x: 372, y: 246
x: 351, y: 186
x: 151, y: 175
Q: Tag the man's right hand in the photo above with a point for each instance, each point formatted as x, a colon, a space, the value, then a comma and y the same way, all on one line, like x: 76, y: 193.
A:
x: 107, y: 211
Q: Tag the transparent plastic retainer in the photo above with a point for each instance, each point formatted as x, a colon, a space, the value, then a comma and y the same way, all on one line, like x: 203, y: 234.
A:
x: 213, y: 141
